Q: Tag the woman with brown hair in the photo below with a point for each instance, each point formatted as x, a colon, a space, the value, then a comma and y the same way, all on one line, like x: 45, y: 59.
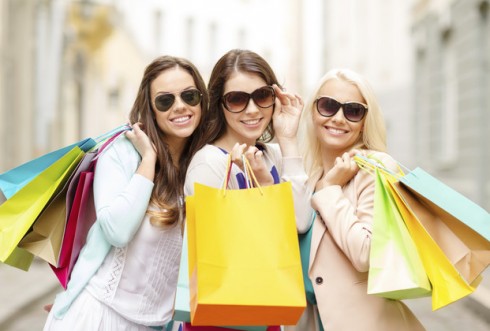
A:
x: 126, y: 275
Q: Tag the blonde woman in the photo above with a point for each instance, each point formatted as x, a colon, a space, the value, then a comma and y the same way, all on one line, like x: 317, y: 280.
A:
x: 343, y: 118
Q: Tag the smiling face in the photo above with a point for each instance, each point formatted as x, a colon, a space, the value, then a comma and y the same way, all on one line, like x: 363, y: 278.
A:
x: 337, y: 134
x: 181, y: 119
x: 248, y: 125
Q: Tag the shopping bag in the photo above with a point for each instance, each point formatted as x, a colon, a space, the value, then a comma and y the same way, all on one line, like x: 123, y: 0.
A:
x: 2, y: 197
x: 15, y: 179
x: 428, y: 231
x: 304, y: 240
x: 438, y: 194
x: 182, y: 309
x: 80, y: 211
x: 467, y: 250
x: 246, y: 268
x: 396, y: 270
x: 47, y: 233
x: 190, y: 327
x: 19, y: 212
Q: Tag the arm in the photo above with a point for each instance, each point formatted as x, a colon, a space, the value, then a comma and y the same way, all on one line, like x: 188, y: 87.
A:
x: 350, y: 222
x: 291, y: 169
x: 121, y: 194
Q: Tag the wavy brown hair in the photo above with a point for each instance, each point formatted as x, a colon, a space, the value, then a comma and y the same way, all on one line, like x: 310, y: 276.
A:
x: 169, y: 179
x: 236, y: 60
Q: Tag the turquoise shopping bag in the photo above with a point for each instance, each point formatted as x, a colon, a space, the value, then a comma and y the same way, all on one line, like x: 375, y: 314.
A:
x: 13, y: 180
x: 433, y: 192
x: 304, y: 250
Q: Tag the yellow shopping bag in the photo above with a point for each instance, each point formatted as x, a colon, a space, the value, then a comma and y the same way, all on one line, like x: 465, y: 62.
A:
x: 428, y: 231
x: 244, y: 260
x: 18, y: 213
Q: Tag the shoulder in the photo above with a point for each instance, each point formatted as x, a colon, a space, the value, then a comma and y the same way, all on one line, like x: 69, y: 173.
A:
x: 208, y: 154
x: 120, y: 151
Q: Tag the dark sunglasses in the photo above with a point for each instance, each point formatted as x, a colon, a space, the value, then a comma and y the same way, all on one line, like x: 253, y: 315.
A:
x: 353, y: 111
x: 237, y: 101
x: 192, y: 97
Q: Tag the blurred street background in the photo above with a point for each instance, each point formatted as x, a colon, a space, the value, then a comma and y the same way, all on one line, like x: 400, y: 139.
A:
x: 70, y: 69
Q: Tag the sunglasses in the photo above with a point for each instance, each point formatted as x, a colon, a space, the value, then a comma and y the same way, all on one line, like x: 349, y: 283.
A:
x: 237, y: 101
x: 353, y: 111
x: 192, y: 97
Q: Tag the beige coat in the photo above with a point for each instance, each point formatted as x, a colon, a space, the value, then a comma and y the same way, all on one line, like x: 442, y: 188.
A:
x: 339, y: 261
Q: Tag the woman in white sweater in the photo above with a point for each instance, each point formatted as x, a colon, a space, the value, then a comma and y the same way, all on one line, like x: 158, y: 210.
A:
x: 126, y: 275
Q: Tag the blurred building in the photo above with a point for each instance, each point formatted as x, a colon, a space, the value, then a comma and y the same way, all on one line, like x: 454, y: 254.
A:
x: 372, y: 37
x: 452, y: 93
x: 71, y: 68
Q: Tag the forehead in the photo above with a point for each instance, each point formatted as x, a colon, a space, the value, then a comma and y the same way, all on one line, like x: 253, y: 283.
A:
x: 247, y: 82
x: 172, y: 80
x: 341, y: 90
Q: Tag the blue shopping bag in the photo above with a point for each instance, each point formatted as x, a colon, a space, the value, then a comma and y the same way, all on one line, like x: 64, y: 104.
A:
x: 433, y: 192
x: 15, y: 179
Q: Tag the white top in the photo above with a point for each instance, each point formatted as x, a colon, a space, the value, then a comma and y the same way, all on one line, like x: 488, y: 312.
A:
x: 208, y: 167
x: 139, y: 280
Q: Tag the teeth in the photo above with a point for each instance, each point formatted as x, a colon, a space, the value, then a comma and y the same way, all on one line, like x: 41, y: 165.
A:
x: 252, y: 122
x: 336, y: 131
x: 181, y: 119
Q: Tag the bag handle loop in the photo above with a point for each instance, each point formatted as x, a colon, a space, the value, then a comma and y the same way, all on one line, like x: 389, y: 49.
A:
x: 249, y: 174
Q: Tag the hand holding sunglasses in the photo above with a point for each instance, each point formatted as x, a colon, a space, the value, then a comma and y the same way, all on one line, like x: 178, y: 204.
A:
x: 353, y: 111
x: 164, y: 102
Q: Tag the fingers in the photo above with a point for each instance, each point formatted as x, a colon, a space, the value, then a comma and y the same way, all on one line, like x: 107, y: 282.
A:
x: 288, y: 99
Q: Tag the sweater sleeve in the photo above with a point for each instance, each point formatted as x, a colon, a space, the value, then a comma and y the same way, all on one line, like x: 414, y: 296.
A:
x: 121, y: 196
x: 291, y: 169
x: 350, y: 222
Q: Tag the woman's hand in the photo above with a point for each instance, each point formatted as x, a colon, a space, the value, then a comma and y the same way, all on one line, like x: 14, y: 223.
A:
x: 145, y: 148
x: 344, y: 169
x: 256, y: 159
x: 287, y: 112
x: 141, y: 141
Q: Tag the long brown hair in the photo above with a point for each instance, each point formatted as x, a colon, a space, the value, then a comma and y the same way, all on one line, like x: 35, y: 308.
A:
x: 169, y: 179
x: 236, y: 60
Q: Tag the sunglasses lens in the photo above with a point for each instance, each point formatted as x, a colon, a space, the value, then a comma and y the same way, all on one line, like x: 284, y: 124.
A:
x: 263, y: 97
x: 327, y: 106
x: 236, y: 101
x: 354, y: 112
x: 191, y: 97
x: 163, y: 102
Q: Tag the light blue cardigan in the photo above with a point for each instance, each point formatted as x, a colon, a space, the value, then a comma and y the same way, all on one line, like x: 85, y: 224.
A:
x: 121, y: 199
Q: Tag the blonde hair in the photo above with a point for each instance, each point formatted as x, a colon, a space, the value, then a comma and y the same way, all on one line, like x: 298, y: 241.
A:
x: 373, y: 133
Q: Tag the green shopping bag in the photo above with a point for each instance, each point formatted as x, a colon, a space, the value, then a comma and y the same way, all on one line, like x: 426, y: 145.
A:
x: 18, y: 213
x: 396, y: 270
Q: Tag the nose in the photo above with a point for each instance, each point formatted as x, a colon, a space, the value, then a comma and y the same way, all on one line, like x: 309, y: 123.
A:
x: 251, y: 107
x: 339, y: 115
x: 179, y: 104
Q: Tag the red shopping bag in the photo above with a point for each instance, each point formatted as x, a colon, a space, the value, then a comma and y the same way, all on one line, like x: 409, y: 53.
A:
x: 81, y: 214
